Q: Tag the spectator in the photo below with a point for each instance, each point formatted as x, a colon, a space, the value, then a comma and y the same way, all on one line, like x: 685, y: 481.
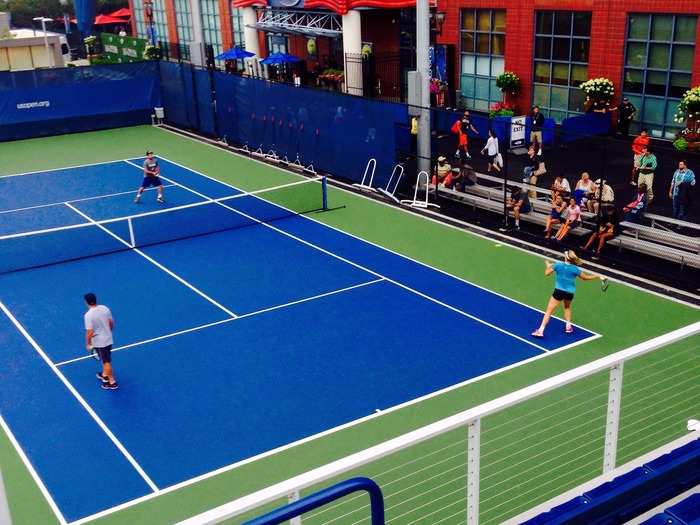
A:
x: 679, y: 193
x: 461, y: 128
x: 561, y: 186
x: 638, y: 145
x: 442, y: 174
x: 519, y: 203
x: 555, y: 215
x: 492, y: 152
x: 603, y: 197
x: 625, y: 116
x: 532, y: 164
x: 634, y: 210
x: 467, y: 176
x: 584, y: 189
x: 573, y: 220
x: 536, y: 125
x: 647, y: 166
x: 607, y: 227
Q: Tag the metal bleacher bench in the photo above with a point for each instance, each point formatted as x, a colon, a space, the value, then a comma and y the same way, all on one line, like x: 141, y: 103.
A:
x: 656, y: 239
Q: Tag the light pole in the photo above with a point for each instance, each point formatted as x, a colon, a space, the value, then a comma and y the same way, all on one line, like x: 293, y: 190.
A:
x: 43, y: 21
x: 66, y: 18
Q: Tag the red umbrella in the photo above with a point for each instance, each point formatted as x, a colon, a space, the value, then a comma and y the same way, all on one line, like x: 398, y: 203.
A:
x: 121, y: 13
x: 101, y: 20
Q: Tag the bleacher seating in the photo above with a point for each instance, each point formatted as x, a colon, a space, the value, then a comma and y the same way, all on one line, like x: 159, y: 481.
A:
x: 633, y: 493
x: 656, y: 239
x: 686, y: 512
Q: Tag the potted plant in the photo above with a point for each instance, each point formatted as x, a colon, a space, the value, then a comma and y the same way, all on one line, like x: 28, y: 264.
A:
x: 90, y: 42
x: 151, y: 52
x: 689, y: 112
x: 501, y: 109
x: 599, y: 92
x: 509, y: 84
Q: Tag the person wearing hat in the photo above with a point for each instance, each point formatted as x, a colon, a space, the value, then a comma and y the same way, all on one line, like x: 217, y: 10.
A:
x: 625, y: 115
x: 443, y: 172
x: 151, y: 177
x: 564, y: 288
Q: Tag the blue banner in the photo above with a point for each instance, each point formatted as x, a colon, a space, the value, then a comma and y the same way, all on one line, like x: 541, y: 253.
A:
x: 49, y: 101
x: 85, y: 13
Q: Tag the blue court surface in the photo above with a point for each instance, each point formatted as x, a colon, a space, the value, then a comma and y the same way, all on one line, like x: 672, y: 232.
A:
x: 229, y: 344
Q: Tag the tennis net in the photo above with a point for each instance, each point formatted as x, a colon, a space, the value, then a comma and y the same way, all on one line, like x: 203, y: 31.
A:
x: 55, y: 245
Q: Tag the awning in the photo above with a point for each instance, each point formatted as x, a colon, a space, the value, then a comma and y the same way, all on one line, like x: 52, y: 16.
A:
x: 305, y: 23
x: 121, y: 13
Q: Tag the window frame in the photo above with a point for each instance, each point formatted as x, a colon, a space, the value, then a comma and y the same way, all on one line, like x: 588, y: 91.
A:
x: 493, y: 94
x: 666, y: 129
x: 573, y: 94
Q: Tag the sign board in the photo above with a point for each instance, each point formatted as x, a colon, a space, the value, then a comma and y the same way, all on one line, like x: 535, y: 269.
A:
x: 123, y: 49
x: 517, y: 132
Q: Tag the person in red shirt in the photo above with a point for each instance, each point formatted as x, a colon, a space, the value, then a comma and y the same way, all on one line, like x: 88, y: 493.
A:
x: 638, y: 145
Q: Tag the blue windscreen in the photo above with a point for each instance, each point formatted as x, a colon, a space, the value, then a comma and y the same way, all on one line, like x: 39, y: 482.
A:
x: 334, y: 132
x: 52, y: 101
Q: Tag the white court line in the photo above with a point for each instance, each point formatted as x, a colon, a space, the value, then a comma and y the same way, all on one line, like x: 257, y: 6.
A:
x: 61, y: 169
x: 443, y: 272
x: 359, y: 266
x: 152, y: 260
x: 79, y: 200
x: 80, y: 398
x: 233, y: 466
x: 32, y: 471
x: 436, y: 218
x: 215, y: 323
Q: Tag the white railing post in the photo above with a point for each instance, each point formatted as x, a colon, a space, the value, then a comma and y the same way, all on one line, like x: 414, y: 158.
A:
x: 613, y: 417
x: 5, y: 518
x: 291, y: 498
x: 473, y: 459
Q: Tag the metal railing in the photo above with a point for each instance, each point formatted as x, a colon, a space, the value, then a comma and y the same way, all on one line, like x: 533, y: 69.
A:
x: 469, y: 488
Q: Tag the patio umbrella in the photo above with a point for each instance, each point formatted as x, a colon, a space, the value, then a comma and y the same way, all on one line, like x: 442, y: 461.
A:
x: 102, y: 20
x: 121, y: 13
x: 280, y: 58
x: 235, y: 53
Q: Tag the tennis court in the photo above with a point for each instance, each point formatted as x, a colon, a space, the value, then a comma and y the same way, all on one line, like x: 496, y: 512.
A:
x: 239, y: 306
x: 248, y: 321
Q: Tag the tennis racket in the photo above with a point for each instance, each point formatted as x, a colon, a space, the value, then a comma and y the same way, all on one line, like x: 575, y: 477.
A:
x: 94, y: 353
x: 604, y: 283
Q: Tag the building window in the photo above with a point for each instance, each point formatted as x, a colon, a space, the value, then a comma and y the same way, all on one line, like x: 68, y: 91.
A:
x: 183, y: 16
x: 658, y: 68
x: 483, y: 44
x: 562, y: 43
x: 276, y: 44
x: 159, y: 20
x: 210, y: 25
x: 237, y: 27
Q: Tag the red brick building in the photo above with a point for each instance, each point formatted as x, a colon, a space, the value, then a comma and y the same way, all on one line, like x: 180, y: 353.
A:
x: 648, y: 48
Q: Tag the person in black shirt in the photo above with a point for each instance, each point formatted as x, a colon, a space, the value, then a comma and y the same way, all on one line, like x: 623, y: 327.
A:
x: 607, y: 227
x: 625, y: 116
x: 536, y: 125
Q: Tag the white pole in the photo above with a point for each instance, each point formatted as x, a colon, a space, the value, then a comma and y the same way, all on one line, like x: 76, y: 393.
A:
x: 612, y: 418
x: 473, y: 470
x: 352, y: 45
x: 46, y: 41
x: 423, y: 69
x: 5, y: 518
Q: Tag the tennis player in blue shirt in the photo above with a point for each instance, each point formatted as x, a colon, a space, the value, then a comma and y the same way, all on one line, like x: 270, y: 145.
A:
x: 564, y: 288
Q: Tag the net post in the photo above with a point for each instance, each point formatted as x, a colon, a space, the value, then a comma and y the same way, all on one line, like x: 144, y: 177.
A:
x: 291, y: 498
x: 473, y: 470
x: 132, y: 241
x: 613, y: 418
x: 5, y: 517
x: 324, y: 192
